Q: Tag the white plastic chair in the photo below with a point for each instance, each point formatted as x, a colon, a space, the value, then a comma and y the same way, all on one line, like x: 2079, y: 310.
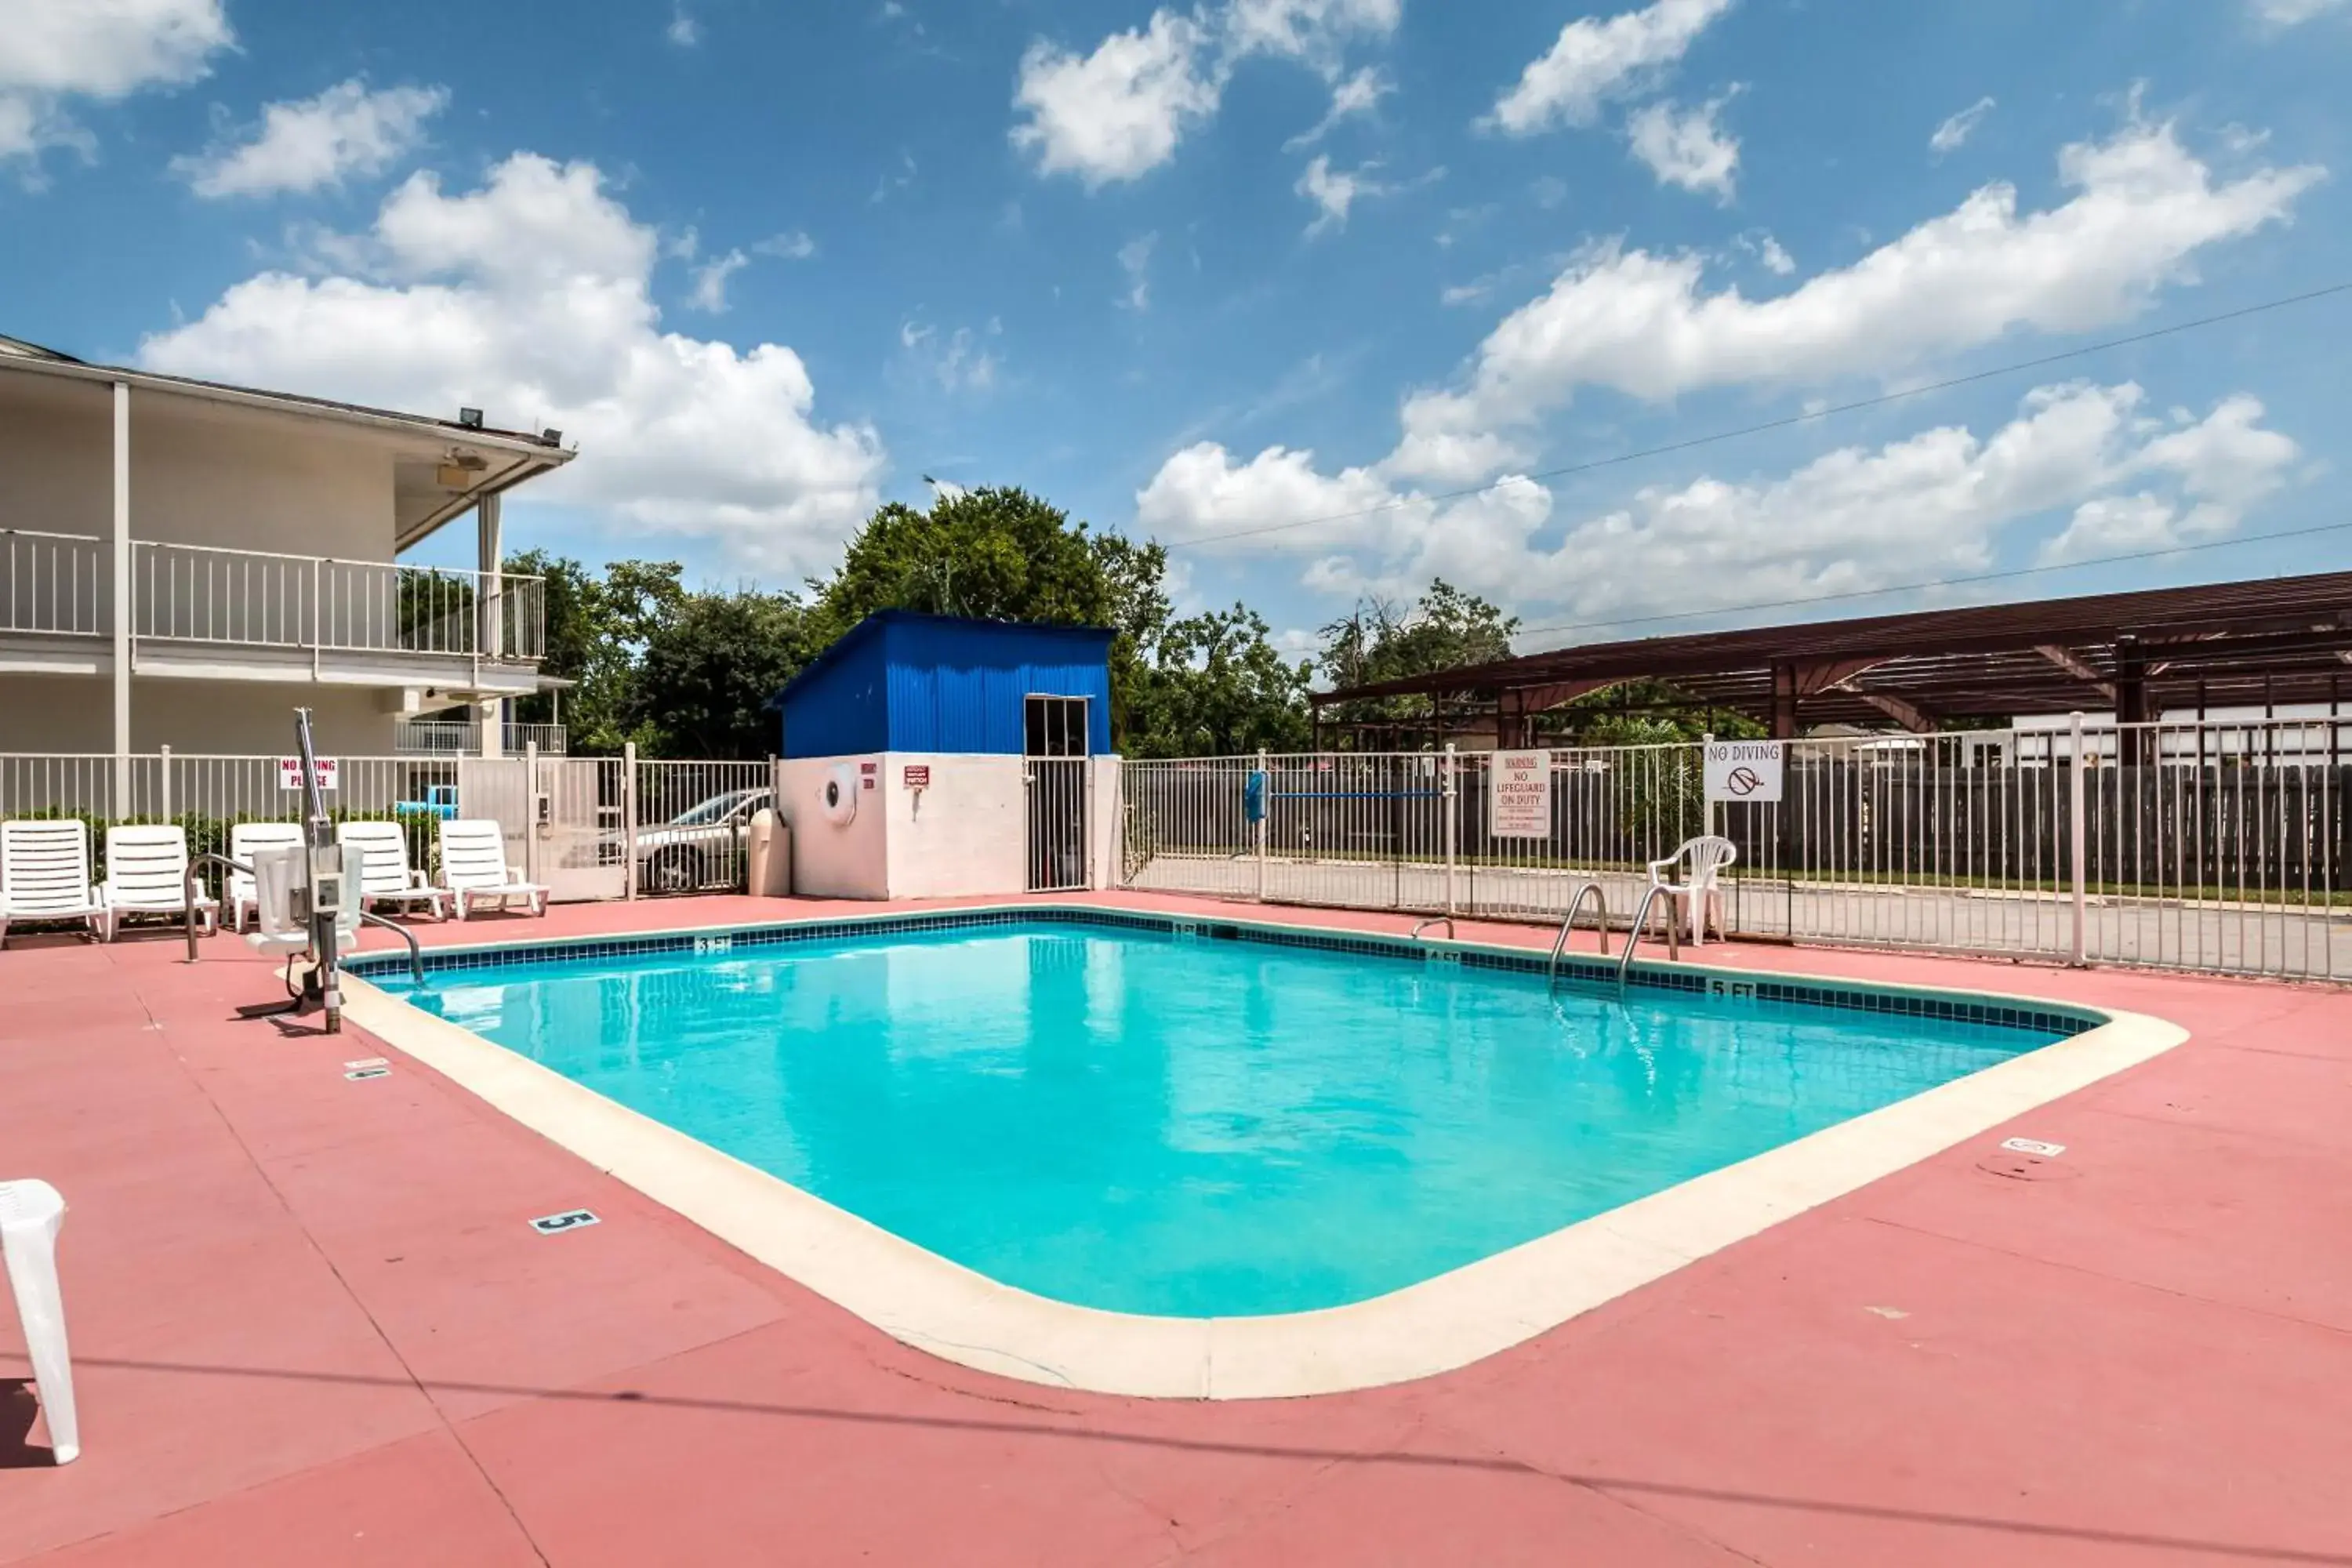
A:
x: 44, y: 875
x: 474, y: 867
x: 147, y: 874
x: 30, y: 1214
x: 1695, y: 898
x: 384, y: 874
x: 243, y: 899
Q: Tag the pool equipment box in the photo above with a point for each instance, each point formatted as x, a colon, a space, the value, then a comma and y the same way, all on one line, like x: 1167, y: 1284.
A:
x: 999, y: 734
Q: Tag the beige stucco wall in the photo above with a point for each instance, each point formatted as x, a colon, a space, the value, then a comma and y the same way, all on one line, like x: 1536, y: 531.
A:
x: 200, y: 473
x: 215, y: 718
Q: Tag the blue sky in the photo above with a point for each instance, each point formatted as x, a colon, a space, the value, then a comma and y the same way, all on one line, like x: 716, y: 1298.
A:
x: 1213, y: 273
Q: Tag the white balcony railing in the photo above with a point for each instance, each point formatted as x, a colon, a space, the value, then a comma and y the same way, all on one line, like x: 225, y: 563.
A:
x: 61, y: 584
x: 459, y: 738
x: 53, y: 583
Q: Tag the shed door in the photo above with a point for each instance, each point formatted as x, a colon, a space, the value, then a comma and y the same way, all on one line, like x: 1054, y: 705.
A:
x: 1056, y: 771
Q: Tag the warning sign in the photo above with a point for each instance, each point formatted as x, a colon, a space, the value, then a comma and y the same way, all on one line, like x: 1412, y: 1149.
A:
x: 919, y: 775
x: 1519, y: 795
x: 1747, y: 771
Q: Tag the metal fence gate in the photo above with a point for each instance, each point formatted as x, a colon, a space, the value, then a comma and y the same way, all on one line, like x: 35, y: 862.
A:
x: 577, y: 838
x: 1057, y: 790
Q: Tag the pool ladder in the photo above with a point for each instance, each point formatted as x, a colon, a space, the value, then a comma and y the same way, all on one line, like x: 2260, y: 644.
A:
x: 1559, y: 942
x: 1421, y: 926
x: 1633, y: 933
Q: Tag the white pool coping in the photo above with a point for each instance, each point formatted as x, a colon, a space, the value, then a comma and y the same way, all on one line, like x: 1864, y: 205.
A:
x: 1434, y: 1326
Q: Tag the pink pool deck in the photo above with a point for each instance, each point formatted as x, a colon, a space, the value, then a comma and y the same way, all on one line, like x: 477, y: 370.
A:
x: 311, y: 1327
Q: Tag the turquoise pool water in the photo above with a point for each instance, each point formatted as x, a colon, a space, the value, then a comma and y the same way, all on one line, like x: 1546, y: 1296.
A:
x: 1134, y: 1121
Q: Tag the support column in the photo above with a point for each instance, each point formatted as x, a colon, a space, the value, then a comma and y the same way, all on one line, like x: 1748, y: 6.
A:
x: 1784, y: 701
x: 489, y: 611
x: 123, y: 606
x: 2131, y: 701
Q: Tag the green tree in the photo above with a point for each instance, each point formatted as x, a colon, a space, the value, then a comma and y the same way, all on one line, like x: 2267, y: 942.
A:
x: 709, y: 669
x: 1447, y: 629
x: 1217, y: 688
x: 1006, y: 554
x: 597, y: 630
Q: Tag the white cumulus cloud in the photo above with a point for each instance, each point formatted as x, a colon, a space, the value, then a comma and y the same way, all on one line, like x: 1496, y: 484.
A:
x: 1118, y: 111
x: 2142, y: 207
x: 1955, y: 130
x: 348, y: 130
x: 1596, y: 59
x: 529, y: 297
x: 1685, y: 147
x: 1933, y: 504
x: 53, y: 52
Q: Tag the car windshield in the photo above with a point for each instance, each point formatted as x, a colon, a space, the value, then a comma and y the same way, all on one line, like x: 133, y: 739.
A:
x: 717, y: 809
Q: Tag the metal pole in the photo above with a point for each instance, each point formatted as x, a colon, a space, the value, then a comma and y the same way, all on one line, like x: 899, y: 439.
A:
x: 320, y: 834
x: 163, y: 782
x: 2074, y: 816
x: 1453, y: 821
x: 1265, y: 810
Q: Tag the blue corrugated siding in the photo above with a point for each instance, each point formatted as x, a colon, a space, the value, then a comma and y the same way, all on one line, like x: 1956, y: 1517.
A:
x: 921, y: 684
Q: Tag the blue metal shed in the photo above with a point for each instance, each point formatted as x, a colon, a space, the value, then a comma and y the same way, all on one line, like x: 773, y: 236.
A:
x: 902, y: 681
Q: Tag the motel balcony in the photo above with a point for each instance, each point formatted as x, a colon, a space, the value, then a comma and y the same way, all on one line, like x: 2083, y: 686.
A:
x: 209, y: 613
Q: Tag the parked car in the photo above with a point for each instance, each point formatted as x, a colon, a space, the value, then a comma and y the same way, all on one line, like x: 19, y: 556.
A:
x: 701, y: 846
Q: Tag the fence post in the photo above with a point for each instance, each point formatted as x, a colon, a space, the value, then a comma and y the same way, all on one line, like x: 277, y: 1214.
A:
x: 1707, y: 800
x: 629, y: 812
x: 1265, y: 810
x: 530, y: 811
x: 2074, y: 820
x: 1453, y: 821
x: 163, y: 780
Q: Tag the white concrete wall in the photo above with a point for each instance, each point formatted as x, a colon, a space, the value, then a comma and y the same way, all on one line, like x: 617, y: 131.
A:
x: 965, y: 834
x: 66, y: 713
x: 835, y: 860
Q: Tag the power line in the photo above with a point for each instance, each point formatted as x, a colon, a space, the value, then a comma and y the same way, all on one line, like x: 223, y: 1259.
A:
x: 1939, y: 583
x: 1793, y: 420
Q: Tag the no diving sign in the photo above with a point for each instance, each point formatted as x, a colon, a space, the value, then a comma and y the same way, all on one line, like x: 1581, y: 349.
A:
x: 1744, y: 771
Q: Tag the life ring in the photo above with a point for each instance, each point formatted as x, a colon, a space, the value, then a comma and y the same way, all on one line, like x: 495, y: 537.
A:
x: 837, y: 795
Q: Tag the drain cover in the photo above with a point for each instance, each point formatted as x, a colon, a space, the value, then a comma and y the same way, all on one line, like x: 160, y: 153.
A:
x: 2025, y: 1167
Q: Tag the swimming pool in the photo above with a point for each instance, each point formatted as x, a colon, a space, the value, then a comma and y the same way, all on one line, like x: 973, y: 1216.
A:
x: 1205, y: 1121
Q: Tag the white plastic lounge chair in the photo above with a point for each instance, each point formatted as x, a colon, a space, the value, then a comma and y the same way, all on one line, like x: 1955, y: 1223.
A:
x: 147, y: 874
x: 1696, y: 898
x: 384, y: 874
x: 474, y: 867
x: 243, y: 841
x: 44, y: 875
x: 30, y: 1213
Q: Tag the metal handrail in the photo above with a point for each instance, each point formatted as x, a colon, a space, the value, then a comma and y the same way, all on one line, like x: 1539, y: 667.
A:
x: 1420, y: 926
x: 1559, y: 942
x: 192, y: 887
x: 416, y: 950
x: 1633, y: 934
